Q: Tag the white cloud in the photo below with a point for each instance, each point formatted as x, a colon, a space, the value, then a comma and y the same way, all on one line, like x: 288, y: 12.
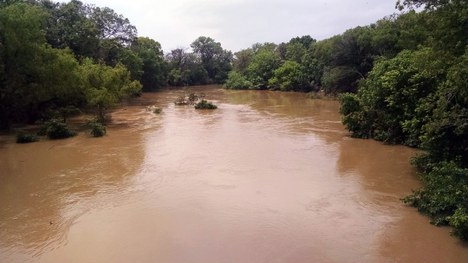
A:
x: 238, y: 24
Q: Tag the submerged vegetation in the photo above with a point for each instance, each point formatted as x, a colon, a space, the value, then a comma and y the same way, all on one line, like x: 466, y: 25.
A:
x: 97, y: 129
x: 189, y: 99
x: 26, y: 137
x: 402, y: 80
x: 198, y: 100
x: 57, y: 129
x: 205, y: 105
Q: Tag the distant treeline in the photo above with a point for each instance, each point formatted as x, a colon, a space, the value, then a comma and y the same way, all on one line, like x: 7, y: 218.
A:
x: 333, y: 65
x: 58, y: 55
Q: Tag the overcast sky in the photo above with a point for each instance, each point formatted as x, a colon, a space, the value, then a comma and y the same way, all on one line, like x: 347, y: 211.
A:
x: 238, y: 24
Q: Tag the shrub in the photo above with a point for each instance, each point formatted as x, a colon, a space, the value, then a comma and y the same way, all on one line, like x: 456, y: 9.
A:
x: 157, y: 110
x: 57, y: 129
x: 444, y: 196
x: 459, y: 221
x: 237, y: 81
x: 26, y: 138
x: 205, y: 105
x: 97, y: 128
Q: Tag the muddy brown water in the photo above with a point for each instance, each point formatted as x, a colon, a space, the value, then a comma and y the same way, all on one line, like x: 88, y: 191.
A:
x: 267, y: 177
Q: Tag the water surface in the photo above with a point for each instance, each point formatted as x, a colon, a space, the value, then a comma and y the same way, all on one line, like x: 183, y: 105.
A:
x: 267, y: 177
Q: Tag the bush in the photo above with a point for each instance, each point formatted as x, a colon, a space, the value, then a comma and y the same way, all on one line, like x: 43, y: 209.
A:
x: 97, y: 128
x: 205, y: 105
x: 354, y: 118
x: 26, y: 138
x: 459, y: 221
x: 237, y: 81
x: 57, y: 129
x: 444, y: 196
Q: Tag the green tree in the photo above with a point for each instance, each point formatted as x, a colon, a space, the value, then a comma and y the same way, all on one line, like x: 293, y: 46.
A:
x: 396, y: 33
x: 214, y: 59
x: 153, y: 68
x: 289, y: 77
x: 395, y: 98
x: 313, y: 69
x: 185, y: 69
x: 237, y: 81
x: 340, y: 79
x: 445, y: 135
x: 104, y: 86
x: 298, y: 47
x: 34, y: 76
x: 113, y: 26
x: 261, y: 68
x: 242, y: 60
x: 133, y: 62
x: 69, y: 26
x: 305, y: 41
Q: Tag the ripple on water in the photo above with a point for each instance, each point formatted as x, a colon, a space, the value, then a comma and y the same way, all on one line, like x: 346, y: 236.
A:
x: 267, y: 177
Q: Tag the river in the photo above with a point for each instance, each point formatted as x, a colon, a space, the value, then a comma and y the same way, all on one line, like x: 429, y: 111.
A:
x: 267, y: 177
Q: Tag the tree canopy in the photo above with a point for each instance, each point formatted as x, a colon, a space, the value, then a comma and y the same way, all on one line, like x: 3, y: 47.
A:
x: 48, y: 51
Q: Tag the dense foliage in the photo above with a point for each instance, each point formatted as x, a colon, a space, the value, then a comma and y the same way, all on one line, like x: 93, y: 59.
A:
x: 333, y: 65
x: 97, y: 129
x: 419, y: 97
x: 47, y: 64
x: 57, y: 129
x: 208, y: 63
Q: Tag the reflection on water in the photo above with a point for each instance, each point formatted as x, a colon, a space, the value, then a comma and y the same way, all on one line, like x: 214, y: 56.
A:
x: 267, y: 177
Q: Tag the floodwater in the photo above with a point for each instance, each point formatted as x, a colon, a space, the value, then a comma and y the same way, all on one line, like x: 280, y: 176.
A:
x: 267, y: 177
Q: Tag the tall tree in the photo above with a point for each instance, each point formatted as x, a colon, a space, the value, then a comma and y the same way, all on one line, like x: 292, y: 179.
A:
x: 113, y: 26
x: 69, y: 26
x: 104, y: 86
x: 154, y: 69
x: 185, y: 69
x: 242, y: 60
x: 262, y: 66
x: 215, y: 60
x: 34, y: 75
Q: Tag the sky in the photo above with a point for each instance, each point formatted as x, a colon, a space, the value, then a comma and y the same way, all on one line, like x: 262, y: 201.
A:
x: 237, y: 24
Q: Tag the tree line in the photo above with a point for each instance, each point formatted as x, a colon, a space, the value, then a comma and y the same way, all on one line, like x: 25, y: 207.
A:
x: 334, y: 65
x: 61, y: 55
